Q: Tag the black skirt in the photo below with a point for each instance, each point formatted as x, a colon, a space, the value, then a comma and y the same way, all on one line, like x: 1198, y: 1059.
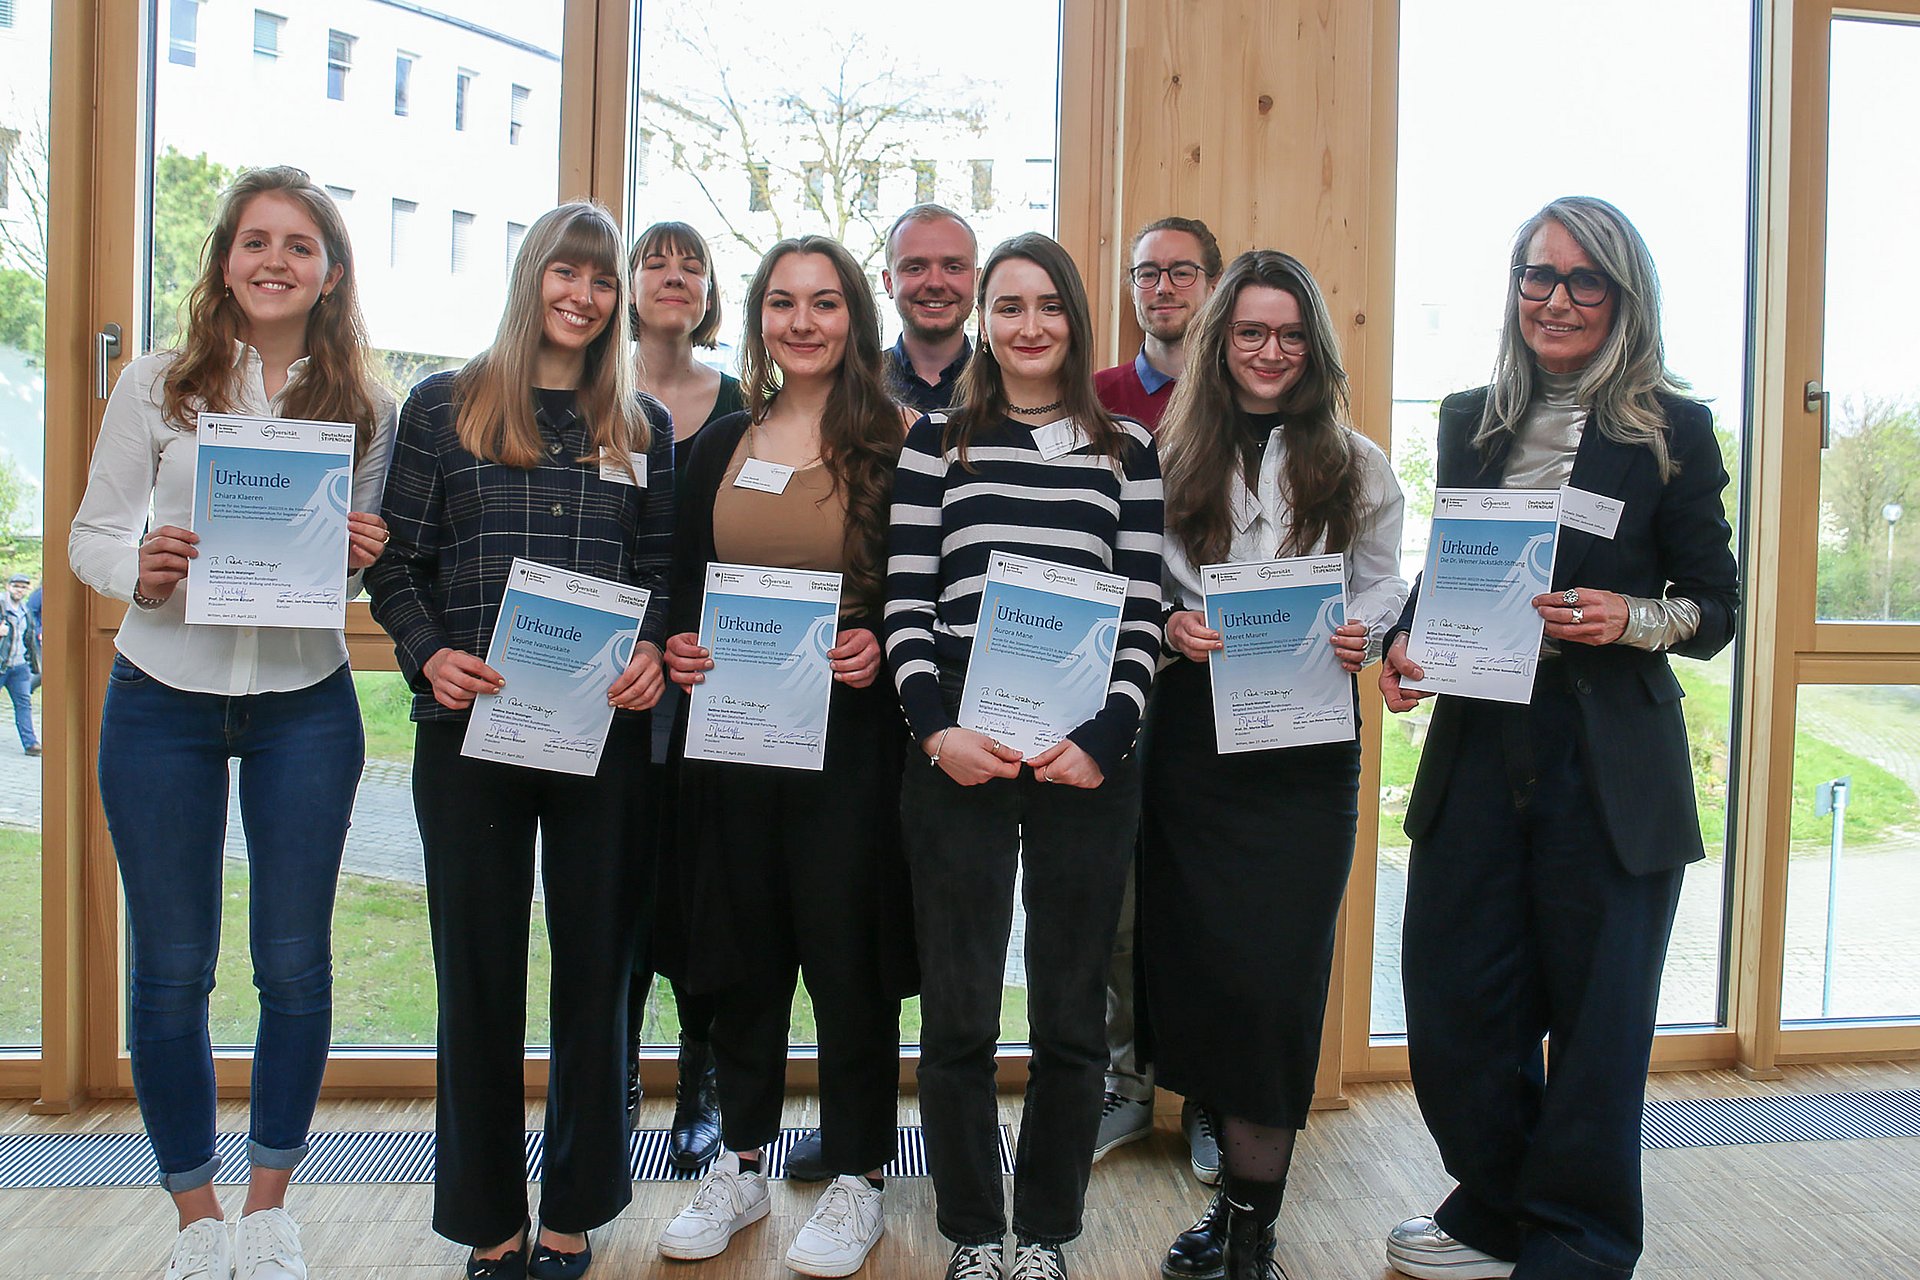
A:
x: 1244, y: 860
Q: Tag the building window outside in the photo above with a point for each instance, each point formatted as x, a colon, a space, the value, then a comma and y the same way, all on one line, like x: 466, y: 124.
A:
x: 402, y: 83
x: 339, y: 62
x: 924, y: 186
x: 462, y: 240
x: 517, y: 113
x: 816, y: 178
x: 341, y: 195
x: 183, y: 33
x: 516, y: 232
x: 400, y: 246
x: 462, y: 85
x: 642, y: 155
x: 982, y: 185
x: 266, y: 35
x: 6, y: 15
x: 759, y: 188
x: 867, y: 198
x: 1039, y: 183
x: 9, y: 143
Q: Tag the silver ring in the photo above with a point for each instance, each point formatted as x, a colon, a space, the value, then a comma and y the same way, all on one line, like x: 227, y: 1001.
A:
x: 1571, y: 596
x: 1578, y: 616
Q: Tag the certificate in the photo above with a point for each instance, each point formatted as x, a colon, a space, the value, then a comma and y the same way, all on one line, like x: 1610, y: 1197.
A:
x: 270, y: 502
x: 1475, y: 630
x: 1278, y: 681
x: 765, y: 701
x: 560, y: 642
x: 1042, y: 651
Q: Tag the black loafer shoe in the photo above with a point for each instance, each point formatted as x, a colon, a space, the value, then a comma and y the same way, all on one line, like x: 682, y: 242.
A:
x: 548, y: 1263
x: 805, y: 1163
x: 511, y: 1265
x: 1200, y: 1252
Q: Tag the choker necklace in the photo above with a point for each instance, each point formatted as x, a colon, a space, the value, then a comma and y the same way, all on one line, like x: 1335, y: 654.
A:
x: 1036, y: 410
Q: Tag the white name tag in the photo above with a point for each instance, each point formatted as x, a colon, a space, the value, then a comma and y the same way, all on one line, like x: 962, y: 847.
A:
x: 1593, y: 513
x: 612, y: 471
x: 764, y: 477
x: 1058, y: 438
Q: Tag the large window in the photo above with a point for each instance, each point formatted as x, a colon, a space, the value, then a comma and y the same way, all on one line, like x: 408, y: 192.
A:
x: 1480, y: 150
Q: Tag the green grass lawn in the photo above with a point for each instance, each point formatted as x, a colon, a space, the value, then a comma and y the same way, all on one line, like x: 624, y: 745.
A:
x: 19, y: 937
x: 384, y: 700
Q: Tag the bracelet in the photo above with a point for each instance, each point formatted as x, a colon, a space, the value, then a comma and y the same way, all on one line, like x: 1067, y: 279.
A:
x: 144, y: 602
x: 938, y: 745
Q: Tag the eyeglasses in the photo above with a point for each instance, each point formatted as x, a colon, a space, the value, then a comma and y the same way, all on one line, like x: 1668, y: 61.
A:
x: 1251, y: 335
x: 1585, y: 287
x: 1183, y: 274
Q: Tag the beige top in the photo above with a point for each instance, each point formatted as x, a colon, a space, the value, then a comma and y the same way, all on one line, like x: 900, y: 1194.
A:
x: 804, y: 527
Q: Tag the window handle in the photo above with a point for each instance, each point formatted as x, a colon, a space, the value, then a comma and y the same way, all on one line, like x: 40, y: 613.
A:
x: 106, y: 349
x: 1820, y: 401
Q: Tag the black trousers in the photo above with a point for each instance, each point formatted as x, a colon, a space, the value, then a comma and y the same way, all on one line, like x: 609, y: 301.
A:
x: 477, y: 824
x: 964, y: 845
x: 1522, y: 924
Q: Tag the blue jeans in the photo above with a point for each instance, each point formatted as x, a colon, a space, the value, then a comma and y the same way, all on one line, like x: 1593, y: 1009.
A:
x: 163, y: 783
x: 19, y: 680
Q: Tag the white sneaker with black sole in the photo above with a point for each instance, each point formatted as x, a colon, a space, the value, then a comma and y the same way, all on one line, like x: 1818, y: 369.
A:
x: 1122, y: 1120
x: 727, y: 1199
x: 846, y: 1224
x: 1419, y: 1248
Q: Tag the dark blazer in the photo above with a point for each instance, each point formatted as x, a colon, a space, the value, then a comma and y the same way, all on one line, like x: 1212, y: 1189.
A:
x: 1673, y: 540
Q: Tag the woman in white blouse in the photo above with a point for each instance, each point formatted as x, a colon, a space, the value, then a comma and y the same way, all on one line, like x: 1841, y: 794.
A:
x: 1246, y: 853
x: 273, y: 328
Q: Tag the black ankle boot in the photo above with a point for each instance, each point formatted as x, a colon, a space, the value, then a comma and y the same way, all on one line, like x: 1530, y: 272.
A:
x: 1250, y: 1244
x: 634, y: 1091
x: 1200, y: 1252
x: 696, y: 1109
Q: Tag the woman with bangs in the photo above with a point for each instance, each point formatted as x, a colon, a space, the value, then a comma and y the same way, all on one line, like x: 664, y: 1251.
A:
x: 1261, y: 464
x: 273, y: 328
x: 539, y: 448
x: 675, y: 309
x: 1029, y: 463
x: 800, y: 873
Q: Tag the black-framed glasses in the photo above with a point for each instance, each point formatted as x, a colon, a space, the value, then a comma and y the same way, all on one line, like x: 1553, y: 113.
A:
x: 1183, y: 274
x: 1585, y: 286
x: 1252, y: 335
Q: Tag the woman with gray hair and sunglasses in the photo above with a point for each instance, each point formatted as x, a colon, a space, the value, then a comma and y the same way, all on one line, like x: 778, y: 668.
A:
x: 1550, y: 837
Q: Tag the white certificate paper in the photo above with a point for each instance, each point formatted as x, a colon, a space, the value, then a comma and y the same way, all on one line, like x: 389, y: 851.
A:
x: 1475, y: 630
x: 560, y: 642
x: 1042, y: 651
x: 765, y: 701
x: 270, y: 501
x: 1278, y: 681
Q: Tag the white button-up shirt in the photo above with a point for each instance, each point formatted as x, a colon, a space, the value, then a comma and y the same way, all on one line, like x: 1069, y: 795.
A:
x: 1262, y: 521
x: 142, y: 474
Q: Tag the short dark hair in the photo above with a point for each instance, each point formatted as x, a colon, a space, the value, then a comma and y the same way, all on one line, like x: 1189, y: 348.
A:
x: 677, y: 237
x: 928, y: 212
x: 1209, y: 247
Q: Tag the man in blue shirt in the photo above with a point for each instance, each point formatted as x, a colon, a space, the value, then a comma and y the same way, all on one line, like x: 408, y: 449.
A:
x: 931, y: 266
x: 22, y: 658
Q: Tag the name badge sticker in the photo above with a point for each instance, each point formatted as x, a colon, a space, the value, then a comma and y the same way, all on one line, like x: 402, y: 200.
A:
x: 763, y: 477
x: 1593, y: 513
x: 1058, y: 439
x: 612, y: 472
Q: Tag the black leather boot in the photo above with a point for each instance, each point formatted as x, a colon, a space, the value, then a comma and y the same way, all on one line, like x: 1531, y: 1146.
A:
x: 633, y: 1078
x: 696, y: 1108
x: 1200, y: 1252
x: 1250, y: 1246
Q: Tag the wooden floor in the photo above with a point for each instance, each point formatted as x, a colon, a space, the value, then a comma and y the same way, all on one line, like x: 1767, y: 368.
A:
x: 1799, y: 1211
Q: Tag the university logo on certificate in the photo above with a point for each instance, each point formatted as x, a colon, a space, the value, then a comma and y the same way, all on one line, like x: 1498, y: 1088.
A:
x: 560, y: 641
x: 270, y: 502
x: 1043, y: 651
x: 765, y: 700
x: 1475, y: 630
x: 1278, y: 682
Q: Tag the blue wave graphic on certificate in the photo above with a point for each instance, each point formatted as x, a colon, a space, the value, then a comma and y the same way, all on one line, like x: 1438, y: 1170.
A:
x: 557, y: 658
x: 1278, y: 681
x: 1476, y: 631
x: 765, y: 701
x: 1041, y: 665
x: 332, y: 497
x: 273, y: 519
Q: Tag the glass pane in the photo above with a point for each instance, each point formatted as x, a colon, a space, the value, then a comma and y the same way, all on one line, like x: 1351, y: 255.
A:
x: 25, y: 49
x: 1464, y: 71
x: 1853, y: 869
x: 1870, y: 476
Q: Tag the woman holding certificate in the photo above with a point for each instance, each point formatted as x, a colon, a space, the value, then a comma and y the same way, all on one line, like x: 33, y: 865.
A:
x: 1550, y: 836
x: 539, y: 450
x: 272, y: 329
x: 1252, y: 841
x: 798, y: 869
x: 1028, y: 470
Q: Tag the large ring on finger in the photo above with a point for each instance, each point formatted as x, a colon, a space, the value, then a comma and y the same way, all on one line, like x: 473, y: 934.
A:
x: 1578, y: 616
x: 1571, y: 596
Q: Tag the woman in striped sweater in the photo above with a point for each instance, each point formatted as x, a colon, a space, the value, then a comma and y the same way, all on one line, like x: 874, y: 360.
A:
x: 1028, y: 463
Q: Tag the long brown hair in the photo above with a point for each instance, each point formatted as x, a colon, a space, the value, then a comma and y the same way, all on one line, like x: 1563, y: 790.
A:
x: 860, y: 429
x: 495, y: 389
x: 982, y: 393
x: 677, y: 239
x: 1200, y: 436
x: 337, y: 384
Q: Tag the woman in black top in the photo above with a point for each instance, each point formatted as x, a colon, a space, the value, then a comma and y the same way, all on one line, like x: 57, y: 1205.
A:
x: 538, y: 448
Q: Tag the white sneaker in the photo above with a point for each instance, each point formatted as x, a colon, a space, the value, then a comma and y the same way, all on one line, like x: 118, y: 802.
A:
x: 1418, y: 1247
x: 201, y: 1251
x: 845, y: 1226
x: 266, y: 1246
x: 726, y: 1200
